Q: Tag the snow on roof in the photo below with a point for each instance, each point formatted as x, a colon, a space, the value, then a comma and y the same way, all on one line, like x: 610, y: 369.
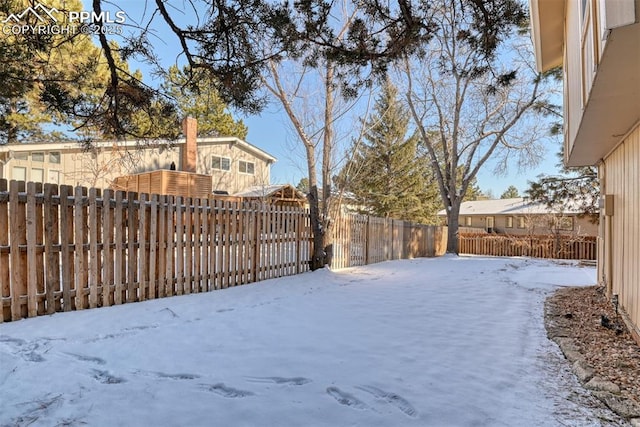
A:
x: 265, y: 190
x: 514, y: 206
x: 74, y: 145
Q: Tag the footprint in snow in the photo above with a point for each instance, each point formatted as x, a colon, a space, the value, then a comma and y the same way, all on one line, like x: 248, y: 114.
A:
x: 226, y: 391
x: 91, y: 359
x: 280, y: 380
x: 391, y: 398
x: 346, y: 399
x: 162, y: 375
x: 31, y: 351
x: 105, y: 377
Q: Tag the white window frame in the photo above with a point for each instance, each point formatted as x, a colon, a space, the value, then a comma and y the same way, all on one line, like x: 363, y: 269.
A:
x: 221, y: 160
x: 55, y: 157
x: 491, y: 222
x: 509, y: 222
x: 243, y: 167
x: 23, y: 171
x: 54, y: 176
x: 37, y: 171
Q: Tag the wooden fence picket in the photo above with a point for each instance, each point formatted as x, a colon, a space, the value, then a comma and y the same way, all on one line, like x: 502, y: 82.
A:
x: 32, y: 255
x: 5, y: 279
x: 119, y: 239
x: 108, y: 286
x: 51, y: 241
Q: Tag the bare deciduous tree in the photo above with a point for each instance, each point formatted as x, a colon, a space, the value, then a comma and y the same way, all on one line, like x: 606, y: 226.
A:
x: 470, y: 109
x: 316, y: 133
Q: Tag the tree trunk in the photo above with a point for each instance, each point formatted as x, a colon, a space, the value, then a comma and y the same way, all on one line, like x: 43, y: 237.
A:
x: 318, y: 255
x: 453, y: 220
x: 327, y: 167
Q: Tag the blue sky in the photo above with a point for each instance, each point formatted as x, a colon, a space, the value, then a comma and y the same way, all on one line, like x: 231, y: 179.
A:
x: 271, y: 132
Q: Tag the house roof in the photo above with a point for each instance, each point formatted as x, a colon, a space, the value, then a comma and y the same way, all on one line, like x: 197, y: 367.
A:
x: 547, y: 32
x: 75, y: 145
x: 515, y: 206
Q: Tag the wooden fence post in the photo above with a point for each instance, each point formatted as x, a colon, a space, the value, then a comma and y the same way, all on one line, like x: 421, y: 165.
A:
x: 5, y: 278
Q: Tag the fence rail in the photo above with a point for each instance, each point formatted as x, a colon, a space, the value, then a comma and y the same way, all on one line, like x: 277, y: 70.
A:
x: 65, y: 248
x: 556, y: 247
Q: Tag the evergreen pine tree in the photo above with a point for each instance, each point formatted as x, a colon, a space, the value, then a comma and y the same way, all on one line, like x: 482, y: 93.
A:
x: 510, y: 193
x: 195, y: 95
x: 385, y: 178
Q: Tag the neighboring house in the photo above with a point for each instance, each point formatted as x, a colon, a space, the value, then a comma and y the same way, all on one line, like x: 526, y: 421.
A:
x: 518, y: 216
x: 232, y: 164
x: 597, y: 43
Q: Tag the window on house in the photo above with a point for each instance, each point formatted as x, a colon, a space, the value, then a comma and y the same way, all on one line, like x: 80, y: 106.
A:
x: 37, y: 175
x: 491, y: 222
x: 221, y: 163
x: 520, y: 222
x: 509, y: 222
x: 565, y: 223
x: 54, y: 177
x: 21, y: 156
x: 19, y: 173
x: 467, y: 221
x: 54, y: 157
x: 37, y: 157
x: 246, y: 167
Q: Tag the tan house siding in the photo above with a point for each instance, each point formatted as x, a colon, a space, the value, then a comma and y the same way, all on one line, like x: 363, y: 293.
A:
x: 100, y: 166
x: 620, y: 270
x: 530, y: 224
x: 233, y: 180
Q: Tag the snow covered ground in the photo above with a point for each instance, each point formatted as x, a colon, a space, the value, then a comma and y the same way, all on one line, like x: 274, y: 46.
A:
x: 427, y: 342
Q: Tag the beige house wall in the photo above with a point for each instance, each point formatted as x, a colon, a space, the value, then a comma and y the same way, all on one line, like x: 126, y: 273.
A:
x: 530, y: 224
x: 233, y: 180
x: 619, y: 250
x: 68, y: 164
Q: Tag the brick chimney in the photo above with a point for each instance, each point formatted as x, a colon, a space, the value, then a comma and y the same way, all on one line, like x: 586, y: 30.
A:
x: 190, y: 150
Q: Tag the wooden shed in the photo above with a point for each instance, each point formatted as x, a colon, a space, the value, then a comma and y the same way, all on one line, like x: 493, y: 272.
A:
x: 166, y: 182
x: 277, y: 194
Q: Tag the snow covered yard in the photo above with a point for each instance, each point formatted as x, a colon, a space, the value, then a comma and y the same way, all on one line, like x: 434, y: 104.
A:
x: 426, y: 342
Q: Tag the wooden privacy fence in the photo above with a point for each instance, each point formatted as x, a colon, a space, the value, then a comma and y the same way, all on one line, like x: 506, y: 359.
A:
x: 65, y: 249
x: 557, y: 247
x: 361, y: 240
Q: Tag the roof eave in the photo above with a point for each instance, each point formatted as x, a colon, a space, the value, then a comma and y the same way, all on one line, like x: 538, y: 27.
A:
x: 547, y: 32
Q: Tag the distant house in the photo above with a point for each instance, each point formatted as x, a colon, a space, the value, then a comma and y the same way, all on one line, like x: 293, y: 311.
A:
x: 597, y: 44
x: 518, y: 216
x: 231, y: 163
